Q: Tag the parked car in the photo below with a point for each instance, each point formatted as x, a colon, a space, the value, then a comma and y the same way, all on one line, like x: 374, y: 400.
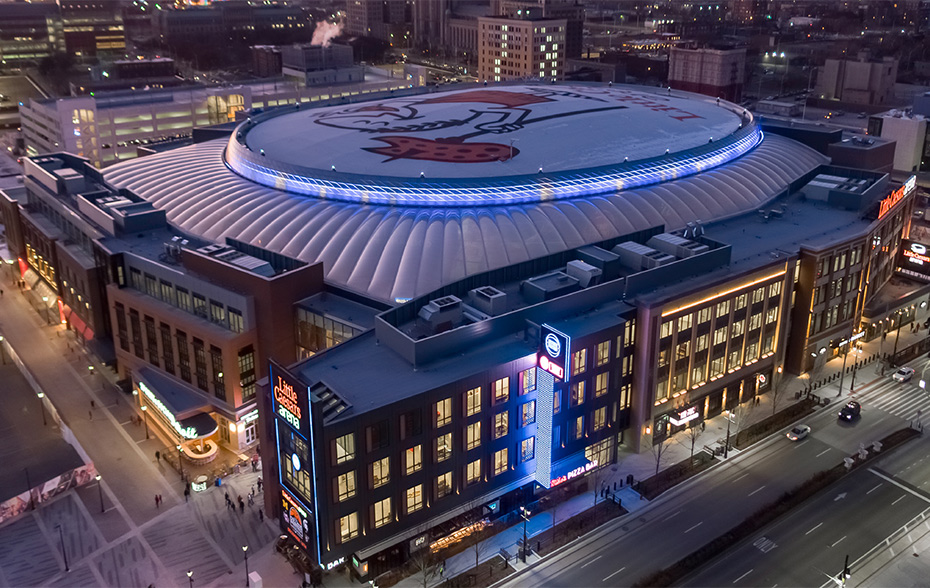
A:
x: 799, y: 432
x: 850, y: 411
x: 903, y: 375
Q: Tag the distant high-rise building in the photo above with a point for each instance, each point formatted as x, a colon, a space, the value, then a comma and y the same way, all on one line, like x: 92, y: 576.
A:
x: 387, y: 20
x: 521, y: 48
x: 571, y: 10
x: 29, y: 32
x: 714, y: 72
x: 863, y: 81
x: 749, y: 11
x: 92, y: 26
x: 266, y: 61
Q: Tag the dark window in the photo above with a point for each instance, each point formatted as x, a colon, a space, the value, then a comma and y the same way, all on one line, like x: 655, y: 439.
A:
x: 122, y: 327
x: 378, y: 435
x: 200, y: 365
x: 151, y: 340
x: 200, y: 305
x: 184, y: 358
x: 411, y: 424
x: 136, y: 325
x: 167, y: 349
x: 219, y: 380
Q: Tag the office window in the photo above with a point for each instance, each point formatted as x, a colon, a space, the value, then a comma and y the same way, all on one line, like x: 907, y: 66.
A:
x: 501, y: 390
x: 723, y: 308
x: 444, y: 447
x: 527, y: 381
x: 247, y: 373
x: 741, y: 301
x: 577, y: 393
x: 666, y: 330
x: 528, y: 413
x: 579, y: 361
x: 578, y: 432
x: 771, y: 315
x: 758, y: 294
x: 218, y: 313
x: 235, y: 320
x: 775, y: 289
x: 703, y: 315
x: 150, y: 286
x: 720, y: 335
x: 755, y: 321
x: 443, y: 412
x: 411, y: 424
x: 414, y: 498
x: 683, y: 349
x: 501, y: 424
x: 200, y: 305
x: 184, y: 300
x: 627, y: 367
x: 473, y: 401
x: 382, y: 512
x: 603, y: 353
x: 380, y: 472
x: 701, y: 343
x: 345, y: 448
x: 600, y: 418
x: 600, y: 385
x: 200, y: 365
x: 377, y: 435
x: 684, y: 322
x: 413, y: 459
x: 473, y: 472
x: 500, y: 461
x: 556, y: 402
x: 348, y: 527
x: 738, y: 328
x: 444, y: 485
x: 473, y: 435
x: 528, y: 449
x: 345, y: 486
x: 167, y: 292
x: 219, y: 380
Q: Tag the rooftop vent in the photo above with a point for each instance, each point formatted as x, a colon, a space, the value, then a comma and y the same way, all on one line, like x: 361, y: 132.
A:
x: 585, y: 273
x: 443, y: 313
x: 489, y: 300
x: 638, y: 257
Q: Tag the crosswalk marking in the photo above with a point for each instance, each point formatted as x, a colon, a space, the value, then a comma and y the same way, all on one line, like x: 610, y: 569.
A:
x: 902, y: 400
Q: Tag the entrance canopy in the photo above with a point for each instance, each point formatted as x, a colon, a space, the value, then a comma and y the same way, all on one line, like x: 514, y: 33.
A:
x: 181, y: 408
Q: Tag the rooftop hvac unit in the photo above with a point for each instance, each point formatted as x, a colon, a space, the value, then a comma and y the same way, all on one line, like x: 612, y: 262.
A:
x: 489, y: 300
x: 586, y: 274
x: 442, y: 312
x: 677, y: 246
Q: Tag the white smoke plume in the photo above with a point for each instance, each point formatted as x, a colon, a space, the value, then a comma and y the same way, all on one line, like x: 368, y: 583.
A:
x: 325, y: 32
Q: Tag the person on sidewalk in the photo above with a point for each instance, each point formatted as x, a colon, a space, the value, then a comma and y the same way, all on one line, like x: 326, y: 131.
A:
x: 261, y: 516
x: 227, y: 499
x: 259, y: 484
x: 157, y: 500
x: 158, y: 456
x: 241, y: 505
x: 187, y: 493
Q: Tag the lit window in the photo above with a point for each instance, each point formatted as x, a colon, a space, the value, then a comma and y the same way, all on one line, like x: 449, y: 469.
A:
x: 501, y: 424
x: 527, y: 381
x: 345, y: 448
x: 501, y: 390
x: 577, y: 393
x: 443, y: 412
x: 444, y: 447
x: 414, y: 498
x: 345, y: 486
x: 500, y: 461
x: 444, y: 485
x: 382, y: 512
x: 579, y: 361
x: 528, y: 412
x: 528, y: 449
x: 473, y: 401
x: 579, y: 427
x: 600, y: 385
x: 600, y: 418
x: 348, y: 527
x: 413, y: 459
x: 603, y: 353
x: 380, y: 472
x: 473, y: 472
x: 473, y: 435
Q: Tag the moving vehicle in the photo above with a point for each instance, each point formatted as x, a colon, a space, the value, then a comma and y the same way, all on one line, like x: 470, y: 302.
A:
x: 903, y: 375
x: 850, y: 411
x: 799, y: 432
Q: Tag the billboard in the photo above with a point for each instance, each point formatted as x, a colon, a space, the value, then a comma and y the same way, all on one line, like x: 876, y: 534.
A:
x: 915, y: 257
x: 291, y: 399
x: 296, y: 520
x: 554, y: 352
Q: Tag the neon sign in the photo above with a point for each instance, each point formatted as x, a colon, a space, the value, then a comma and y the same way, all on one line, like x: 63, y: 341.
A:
x: 290, y: 400
x: 888, y: 203
x: 333, y: 564
x: 295, y: 519
x: 579, y: 471
x: 555, y: 349
x: 689, y: 414
x: 186, y: 432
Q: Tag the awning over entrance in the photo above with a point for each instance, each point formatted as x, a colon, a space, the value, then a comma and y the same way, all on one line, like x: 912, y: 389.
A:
x: 77, y: 323
x: 40, y: 288
x: 182, y: 409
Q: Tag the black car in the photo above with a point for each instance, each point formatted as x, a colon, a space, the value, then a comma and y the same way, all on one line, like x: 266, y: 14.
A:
x: 850, y: 411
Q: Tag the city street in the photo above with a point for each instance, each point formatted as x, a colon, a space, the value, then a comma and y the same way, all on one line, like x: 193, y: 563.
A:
x: 696, y: 512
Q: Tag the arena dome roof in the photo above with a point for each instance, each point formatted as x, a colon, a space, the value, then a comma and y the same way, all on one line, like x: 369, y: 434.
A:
x: 396, y: 252
x: 502, y: 144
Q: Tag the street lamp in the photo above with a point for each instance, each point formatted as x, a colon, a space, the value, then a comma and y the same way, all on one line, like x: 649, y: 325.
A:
x: 245, y: 552
x: 145, y: 419
x: 41, y: 396
x: 2, y: 353
x: 48, y: 317
x: 181, y: 460
x: 10, y: 263
x: 726, y: 447
x: 100, y: 491
x: 190, y: 577
x: 525, y: 513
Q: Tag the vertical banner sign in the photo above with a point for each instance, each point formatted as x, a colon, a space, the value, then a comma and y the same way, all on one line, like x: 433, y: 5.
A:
x: 291, y: 400
x: 554, y: 352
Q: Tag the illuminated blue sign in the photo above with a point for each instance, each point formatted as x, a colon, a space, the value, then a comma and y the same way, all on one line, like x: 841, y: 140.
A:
x: 554, y: 352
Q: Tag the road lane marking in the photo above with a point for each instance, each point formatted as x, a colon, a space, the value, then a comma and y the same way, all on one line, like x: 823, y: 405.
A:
x: 814, y: 529
x: 756, y: 490
x: 875, y: 488
x: 901, y: 486
x: 592, y: 561
x: 695, y: 526
x: 898, y: 500
x: 613, y: 574
x: 740, y: 478
x: 743, y: 576
x: 822, y: 452
x: 671, y: 516
x: 838, y: 540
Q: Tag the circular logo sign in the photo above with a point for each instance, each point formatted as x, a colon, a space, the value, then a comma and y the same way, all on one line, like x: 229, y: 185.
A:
x: 918, y: 248
x: 553, y: 345
x: 295, y: 461
x: 761, y: 378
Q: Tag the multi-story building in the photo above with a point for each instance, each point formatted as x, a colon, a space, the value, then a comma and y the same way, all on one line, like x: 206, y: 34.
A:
x: 570, y: 10
x: 92, y: 27
x: 314, y: 65
x: 520, y: 48
x: 387, y: 20
x: 861, y: 81
x: 713, y: 72
x: 29, y: 32
x: 232, y: 21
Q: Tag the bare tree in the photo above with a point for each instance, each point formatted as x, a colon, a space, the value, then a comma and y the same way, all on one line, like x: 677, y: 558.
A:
x: 689, y: 440
x: 658, y: 451
x: 778, y: 392
x: 740, y: 417
x: 427, y: 564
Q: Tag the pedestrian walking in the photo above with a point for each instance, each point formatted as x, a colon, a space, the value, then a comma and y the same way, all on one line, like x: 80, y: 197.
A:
x: 241, y: 505
x: 252, y: 491
x: 261, y: 516
x: 93, y: 404
x: 259, y: 484
x: 703, y: 426
x: 158, y: 456
x: 227, y: 499
x: 157, y: 500
x: 251, y: 500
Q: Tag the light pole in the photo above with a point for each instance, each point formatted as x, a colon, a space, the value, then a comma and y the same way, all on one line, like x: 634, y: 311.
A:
x: 181, y: 460
x: 525, y: 513
x: 843, y: 371
x: 41, y: 397
x: 61, y: 540
x: 726, y: 447
x: 2, y: 353
x: 100, y: 491
x: 896, y: 337
x: 10, y: 263
x: 190, y: 577
x: 48, y: 317
x: 145, y: 419
x: 245, y: 552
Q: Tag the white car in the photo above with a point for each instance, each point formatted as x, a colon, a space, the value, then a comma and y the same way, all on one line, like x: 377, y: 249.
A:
x: 903, y: 375
x: 799, y: 432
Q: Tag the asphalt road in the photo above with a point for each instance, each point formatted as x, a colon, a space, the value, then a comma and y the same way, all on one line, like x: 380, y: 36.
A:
x: 691, y: 515
x: 811, y: 543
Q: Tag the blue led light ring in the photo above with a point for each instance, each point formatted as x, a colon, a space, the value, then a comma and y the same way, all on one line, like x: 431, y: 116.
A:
x: 490, y: 191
